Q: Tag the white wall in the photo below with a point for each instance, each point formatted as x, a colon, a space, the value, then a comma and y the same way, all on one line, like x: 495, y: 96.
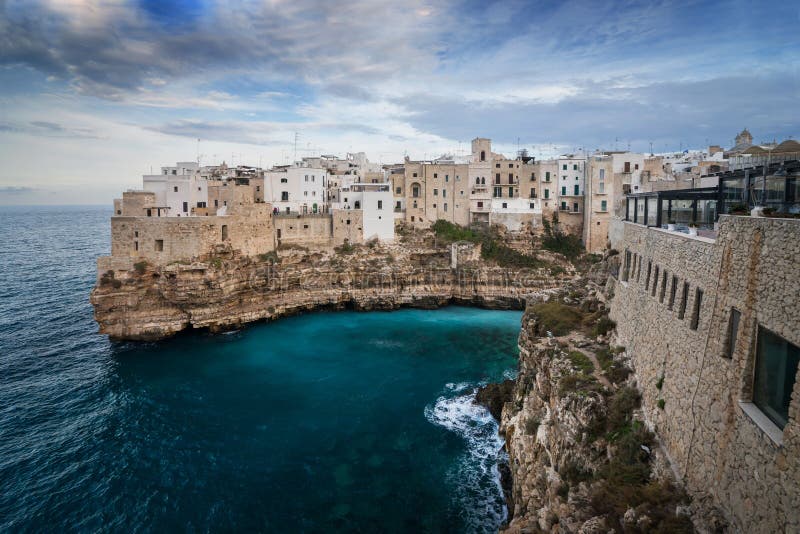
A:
x: 305, y: 187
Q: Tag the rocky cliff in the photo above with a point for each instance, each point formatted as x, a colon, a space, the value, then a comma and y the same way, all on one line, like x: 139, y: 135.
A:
x: 581, y: 459
x: 225, y: 290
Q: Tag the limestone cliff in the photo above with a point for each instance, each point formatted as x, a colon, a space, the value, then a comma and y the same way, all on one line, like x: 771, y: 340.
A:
x: 581, y: 459
x: 225, y: 291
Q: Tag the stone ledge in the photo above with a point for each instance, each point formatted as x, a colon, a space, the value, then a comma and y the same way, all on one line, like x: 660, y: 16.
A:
x: 762, y: 422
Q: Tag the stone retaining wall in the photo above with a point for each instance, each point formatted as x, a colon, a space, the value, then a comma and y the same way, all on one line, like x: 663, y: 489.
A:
x: 672, y: 304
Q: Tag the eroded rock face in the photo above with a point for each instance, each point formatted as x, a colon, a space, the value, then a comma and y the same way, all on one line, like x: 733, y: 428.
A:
x: 580, y: 457
x: 223, y: 293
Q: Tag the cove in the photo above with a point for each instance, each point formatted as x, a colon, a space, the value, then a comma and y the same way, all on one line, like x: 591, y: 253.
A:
x: 328, y: 421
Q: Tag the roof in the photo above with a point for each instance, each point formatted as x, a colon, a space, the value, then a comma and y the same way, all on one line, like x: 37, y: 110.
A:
x: 755, y: 149
x: 790, y: 145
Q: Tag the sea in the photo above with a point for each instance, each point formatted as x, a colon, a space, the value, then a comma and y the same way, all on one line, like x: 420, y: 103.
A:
x: 322, y: 422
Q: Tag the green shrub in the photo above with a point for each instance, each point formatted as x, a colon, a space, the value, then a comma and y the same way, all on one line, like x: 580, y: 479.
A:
x: 506, y: 256
x: 140, y: 267
x: 578, y: 383
x: 271, y: 257
x: 662, y: 403
x: 345, y: 248
x: 448, y: 231
x: 555, y: 240
x: 557, y: 318
x: 603, y: 326
x: 116, y: 284
x: 660, y: 383
x: 620, y: 408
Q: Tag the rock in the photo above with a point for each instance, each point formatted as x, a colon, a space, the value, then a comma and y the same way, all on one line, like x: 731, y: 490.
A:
x: 494, y: 396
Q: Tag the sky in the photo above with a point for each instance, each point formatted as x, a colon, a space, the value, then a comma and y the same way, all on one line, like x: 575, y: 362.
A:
x: 95, y: 94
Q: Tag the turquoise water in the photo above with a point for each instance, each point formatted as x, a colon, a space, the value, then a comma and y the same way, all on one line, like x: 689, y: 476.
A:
x: 322, y: 422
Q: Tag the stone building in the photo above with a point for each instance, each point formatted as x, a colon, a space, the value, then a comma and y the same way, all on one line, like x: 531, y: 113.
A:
x: 711, y: 326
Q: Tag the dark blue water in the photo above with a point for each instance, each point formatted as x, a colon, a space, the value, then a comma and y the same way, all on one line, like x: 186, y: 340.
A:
x: 323, y: 422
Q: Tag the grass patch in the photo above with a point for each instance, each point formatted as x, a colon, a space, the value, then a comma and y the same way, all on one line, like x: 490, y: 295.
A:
x: 579, y: 383
x: 557, y: 318
x: 581, y: 361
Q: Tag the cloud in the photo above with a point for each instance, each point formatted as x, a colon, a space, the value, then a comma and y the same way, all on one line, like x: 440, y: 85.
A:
x: 16, y: 190
x: 48, y: 129
x: 249, y: 133
x: 663, y: 113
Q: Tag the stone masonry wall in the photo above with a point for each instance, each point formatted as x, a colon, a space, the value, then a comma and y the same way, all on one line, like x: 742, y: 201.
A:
x: 248, y: 229
x: 731, y: 458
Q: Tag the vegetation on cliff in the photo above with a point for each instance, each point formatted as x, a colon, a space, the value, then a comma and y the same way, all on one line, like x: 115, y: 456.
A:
x: 581, y: 457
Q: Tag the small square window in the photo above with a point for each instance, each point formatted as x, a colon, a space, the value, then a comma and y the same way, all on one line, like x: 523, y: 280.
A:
x: 733, y: 332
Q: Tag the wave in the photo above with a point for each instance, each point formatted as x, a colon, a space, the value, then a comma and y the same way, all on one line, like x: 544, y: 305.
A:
x: 475, y: 478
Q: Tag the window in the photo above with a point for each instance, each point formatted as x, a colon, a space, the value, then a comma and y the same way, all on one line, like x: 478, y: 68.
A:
x: 498, y: 192
x: 546, y: 193
x: 185, y: 207
x: 398, y: 206
x: 563, y: 206
x: 627, y: 267
x: 201, y: 204
x: 306, y: 177
x: 733, y: 332
x: 636, y: 167
x: 283, y: 181
x: 564, y: 167
x: 305, y: 193
x: 348, y: 221
x: 672, y: 290
x: 136, y: 234
x: 497, y: 165
x: 510, y: 192
x: 547, y: 176
x: 505, y: 205
x: 159, y: 245
x: 511, y: 177
x: 175, y: 189
x: 483, y: 155
x: 775, y: 371
x: 415, y: 205
x: 258, y: 188
x: 655, y: 283
x: 284, y: 196
x: 663, y: 287
x: 533, y: 193
x: 380, y: 204
x: 436, y: 192
x: 564, y: 191
x: 445, y: 206
x: 435, y: 175
x: 216, y: 203
x: 149, y: 212
x: 357, y: 204
x: 602, y: 174
x: 577, y: 190
x: 647, y: 278
x: 575, y: 167
x: 575, y: 207
x: 480, y: 204
x: 601, y: 188
x: 446, y: 177
x: 398, y: 190
x: 415, y: 191
x: 497, y: 178
x: 444, y: 193
x: 603, y: 205
x: 305, y: 227
x: 415, y: 175
x: 698, y: 301
x: 224, y: 232
x: 531, y: 205
x: 533, y: 176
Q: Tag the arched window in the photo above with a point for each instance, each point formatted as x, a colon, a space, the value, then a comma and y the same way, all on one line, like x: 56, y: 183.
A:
x: 483, y: 155
x: 415, y: 188
x: 483, y: 180
x: 477, y: 181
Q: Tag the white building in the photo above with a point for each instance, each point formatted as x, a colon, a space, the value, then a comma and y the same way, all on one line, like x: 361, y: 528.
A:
x: 296, y: 189
x: 179, y: 188
x: 571, y: 182
x: 375, y: 203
